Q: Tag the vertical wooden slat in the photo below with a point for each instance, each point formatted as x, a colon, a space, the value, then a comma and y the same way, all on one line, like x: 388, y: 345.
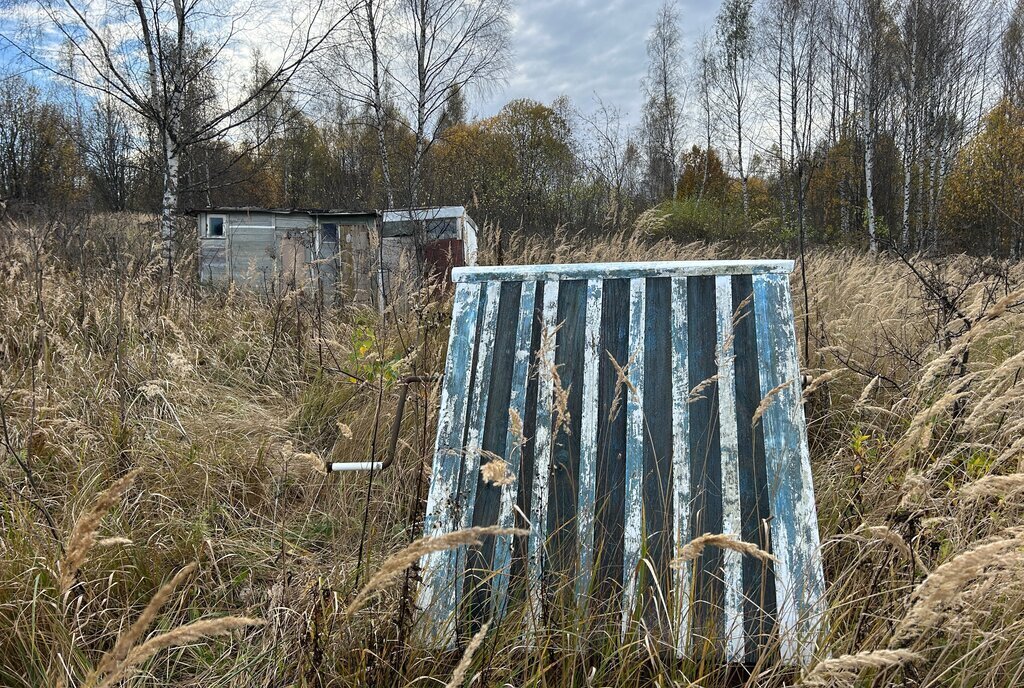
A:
x: 704, y: 468
x: 680, y: 458
x: 794, y: 528
x: 488, y: 323
x: 758, y: 576
x: 732, y: 602
x: 611, y: 442
x: 562, y: 555
x: 586, y: 503
x: 514, y: 443
x: 542, y: 452
x: 655, y: 579
x: 705, y: 465
x: 633, y: 518
x: 439, y: 516
x: 480, y: 559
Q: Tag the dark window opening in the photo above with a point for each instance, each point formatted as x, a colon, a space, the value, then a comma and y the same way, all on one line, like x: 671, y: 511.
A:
x: 435, y: 228
x: 329, y: 233
x: 215, y: 226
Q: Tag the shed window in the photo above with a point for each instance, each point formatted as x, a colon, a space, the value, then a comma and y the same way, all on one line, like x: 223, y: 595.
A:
x: 329, y: 232
x: 436, y: 228
x: 215, y: 225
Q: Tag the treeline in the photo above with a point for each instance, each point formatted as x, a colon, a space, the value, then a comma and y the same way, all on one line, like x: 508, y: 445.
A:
x: 860, y: 122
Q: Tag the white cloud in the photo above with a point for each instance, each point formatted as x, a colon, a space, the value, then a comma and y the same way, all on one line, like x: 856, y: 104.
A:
x: 580, y: 48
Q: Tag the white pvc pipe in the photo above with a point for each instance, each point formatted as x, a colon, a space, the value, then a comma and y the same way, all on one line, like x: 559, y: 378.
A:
x: 356, y: 466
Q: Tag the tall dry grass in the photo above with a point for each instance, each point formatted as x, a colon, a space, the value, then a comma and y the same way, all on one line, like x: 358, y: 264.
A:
x: 222, y: 404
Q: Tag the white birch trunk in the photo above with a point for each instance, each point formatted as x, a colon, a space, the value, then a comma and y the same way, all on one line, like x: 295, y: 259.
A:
x: 910, y: 143
x: 869, y: 160
x: 169, y: 208
x: 743, y: 173
x: 378, y: 106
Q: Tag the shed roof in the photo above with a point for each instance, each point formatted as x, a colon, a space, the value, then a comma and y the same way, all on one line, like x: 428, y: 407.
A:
x: 431, y: 213
x: 285, y: 211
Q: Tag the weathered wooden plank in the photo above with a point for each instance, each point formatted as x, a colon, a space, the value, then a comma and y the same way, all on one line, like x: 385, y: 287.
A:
x: 577, y: 271
x: 794, y: 526
x: 705, y: 463
x: 480, y: 390
x: 439, y: 517
x: 681, y: 459
x: 758, y: 577
x: 657, y: 470
x: 479, y: 565
x: 633, y: 514
x: 611, y: 443
x: 643, y: 464
x: 515, y: 441
x: 565, y: 452
x: 542, y: 452
x: 587, y: 497
x: 731, y: 517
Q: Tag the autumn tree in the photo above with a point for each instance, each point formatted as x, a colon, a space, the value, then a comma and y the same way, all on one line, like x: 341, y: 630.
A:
x: 39, y: 157
x: 703, y: 175
x: 706, y: 77
x: 984, y: 201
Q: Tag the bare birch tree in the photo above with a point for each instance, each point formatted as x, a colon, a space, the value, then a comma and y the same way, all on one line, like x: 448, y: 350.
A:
x: 735, y: 42
x: 455, y: 45
x: 147, y: 53
x: 706, y: 77
x: 612, y: 158
x: 358, y: 66
x: 663, y: 113
x: 1011, y: 57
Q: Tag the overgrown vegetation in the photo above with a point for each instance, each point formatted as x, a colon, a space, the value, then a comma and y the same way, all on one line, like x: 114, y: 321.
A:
x: 212, y: 413
x: 839, y: 122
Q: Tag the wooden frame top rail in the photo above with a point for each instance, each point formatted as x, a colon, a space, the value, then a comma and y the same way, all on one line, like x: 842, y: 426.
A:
x: 575, y: 271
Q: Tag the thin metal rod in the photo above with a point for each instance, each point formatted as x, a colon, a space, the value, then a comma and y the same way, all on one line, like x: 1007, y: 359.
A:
x: 396, y: 427
x: 355, y: 466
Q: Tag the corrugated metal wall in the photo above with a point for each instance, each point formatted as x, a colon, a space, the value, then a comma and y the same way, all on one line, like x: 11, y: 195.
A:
x: 265, y: 250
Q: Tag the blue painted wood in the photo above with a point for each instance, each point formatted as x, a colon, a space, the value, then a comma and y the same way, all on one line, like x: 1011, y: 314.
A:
x: 707, y: 632
x: 758, y: 576
x: 575, y: 271
x: 794, y: 527
x: 681, y: 471
x: 662, y: 373
x: 515, y: 442
x: 657, y: 469
x: 439, y: 517
x: 540, y: 488
x: 480, y: 388
x: 570, y: 346
x: 732, y: 561
x: 633, y: 516
x: 480, y: 565
x: 587, y: 495
x: 611, y: 443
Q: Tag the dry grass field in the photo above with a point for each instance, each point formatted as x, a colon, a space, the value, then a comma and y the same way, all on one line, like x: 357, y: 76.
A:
x: 166, y: 520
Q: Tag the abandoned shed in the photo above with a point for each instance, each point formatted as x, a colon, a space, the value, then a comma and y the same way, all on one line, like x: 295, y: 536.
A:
x: 449, y: 240
x: 328, y: 250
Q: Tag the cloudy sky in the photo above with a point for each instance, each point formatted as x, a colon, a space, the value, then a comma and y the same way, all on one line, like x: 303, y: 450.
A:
x: 577, y: 48
x: 580, y: 48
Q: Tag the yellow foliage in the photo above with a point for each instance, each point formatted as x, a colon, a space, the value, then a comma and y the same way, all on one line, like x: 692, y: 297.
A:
x: 983, y: 204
